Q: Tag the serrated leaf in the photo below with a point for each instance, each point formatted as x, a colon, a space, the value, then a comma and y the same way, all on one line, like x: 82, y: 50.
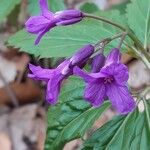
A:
x: 64, y: 41
x: 33, y: 7
x: 89, y: 7
x: 6, y: 6
x: 138, y: 15
x: 72, y: 117
x: 54, y: 5
x: 129, y: 132
x: 121, y: 7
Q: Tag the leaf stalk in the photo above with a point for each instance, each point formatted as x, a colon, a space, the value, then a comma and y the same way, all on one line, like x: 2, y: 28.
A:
x: 129, y: 33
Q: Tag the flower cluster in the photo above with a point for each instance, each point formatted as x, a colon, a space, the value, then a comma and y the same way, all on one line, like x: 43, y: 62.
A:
x: 108, y: 77
x: 54, y: 77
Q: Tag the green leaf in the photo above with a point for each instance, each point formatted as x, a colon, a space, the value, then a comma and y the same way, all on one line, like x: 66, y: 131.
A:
x: 6, y: 6
x: 121, y: 7
x: 89, y: 8
x: 71, y: 118
x: 64, y: 41
x: 33, y: 7
x: 54, y: 5
x: 12, y: 18
x: 138, y: 14
x: 129, y: 132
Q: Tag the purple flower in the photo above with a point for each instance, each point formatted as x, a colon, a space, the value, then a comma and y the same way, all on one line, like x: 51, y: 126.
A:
x: 110, y: 81
x: 54, y: 77
x: 41, y: 24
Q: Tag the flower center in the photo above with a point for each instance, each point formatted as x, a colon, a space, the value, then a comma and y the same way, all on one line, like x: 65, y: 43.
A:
x: 108, y: 80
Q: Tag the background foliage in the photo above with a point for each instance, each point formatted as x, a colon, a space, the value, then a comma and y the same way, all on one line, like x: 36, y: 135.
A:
x: 72, y: 117
x: 9, y: 6
x: 122, y: 132
x: 138, y: 15
x: 54, y: 5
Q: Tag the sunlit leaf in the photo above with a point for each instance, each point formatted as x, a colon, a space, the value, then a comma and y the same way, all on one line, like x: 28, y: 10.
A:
x: 54, y: 5
x: 89, y: 8
x: 6, y: 6
x: 129, y: 132
x: 138, y: 15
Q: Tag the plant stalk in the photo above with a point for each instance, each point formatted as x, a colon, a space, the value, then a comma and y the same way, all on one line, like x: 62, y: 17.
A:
x: 129, y: 33
x: 140, y: 55
x: 104, y: 20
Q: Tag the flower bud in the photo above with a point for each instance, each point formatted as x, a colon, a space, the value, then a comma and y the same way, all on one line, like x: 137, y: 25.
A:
x: 66, y: 71
x: 68, y: 22
x: 68, y: 14
x: 98, y: 62
x: 83, y: 54
x: 68, y: 17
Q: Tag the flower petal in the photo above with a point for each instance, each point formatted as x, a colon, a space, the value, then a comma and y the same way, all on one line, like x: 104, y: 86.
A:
x: 44, y: 9
x: 121, y: 98
x: 39, y: 37
x: 43, y: 5
x: 63, y: 64
x: 41, y: 34
x: 91, y: 77
x: 32, y: 76
x: 68, y: 22
x: 95, y: 93
x: 84, y: 75
x: 36, y: 24
x: 40, y: 73
x: 113, y: 57
x: 118, y: 71
x: 53, y: 88
x: 121, y: 74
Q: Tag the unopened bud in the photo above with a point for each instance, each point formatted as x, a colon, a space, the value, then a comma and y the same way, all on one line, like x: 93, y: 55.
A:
x: 66, y: 70
x: 98, y: 62
x: 68, y: 14
x: 82, y: 55
x: 68, y: 17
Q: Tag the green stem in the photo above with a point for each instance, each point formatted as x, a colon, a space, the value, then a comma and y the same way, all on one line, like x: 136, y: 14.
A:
x: 147, y: 112
x: 109, y: 39
x: 104, y: 20
x: 117, y: 36
x: 130, y: 34
x: 139, y: 44
x: 121, y: 40
x: 101, y: 44
x: 140, y: 55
